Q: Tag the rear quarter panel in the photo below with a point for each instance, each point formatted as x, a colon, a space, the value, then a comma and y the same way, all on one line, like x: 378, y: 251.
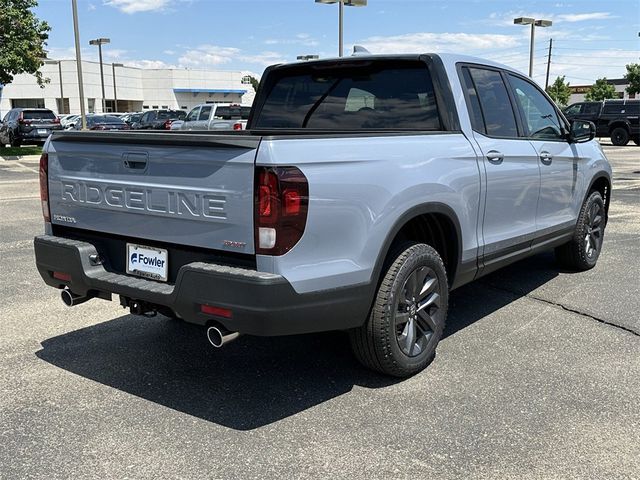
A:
x: 359, y: 187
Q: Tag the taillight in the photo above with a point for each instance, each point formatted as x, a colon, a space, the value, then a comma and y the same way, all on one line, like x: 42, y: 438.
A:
x: 56, y: 120
x: 44, y: 186
x: 281, y: 204
x: 22, y: 121
x: 237, y: 126
x: 167, y: 124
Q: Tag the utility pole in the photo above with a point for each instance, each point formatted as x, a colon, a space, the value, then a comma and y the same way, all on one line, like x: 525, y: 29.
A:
x: 83, y: 116
x: 546, y: 82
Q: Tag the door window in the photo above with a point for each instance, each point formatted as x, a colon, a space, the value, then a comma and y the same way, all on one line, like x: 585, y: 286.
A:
x: 497, y: 112
x: 591, y: 108
x: 205, y: 112
x: 539, y: 114
x: 573, y: 109
x: 193, y: 115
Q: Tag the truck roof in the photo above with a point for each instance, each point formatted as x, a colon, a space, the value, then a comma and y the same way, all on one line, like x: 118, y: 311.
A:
x: 448, y: 59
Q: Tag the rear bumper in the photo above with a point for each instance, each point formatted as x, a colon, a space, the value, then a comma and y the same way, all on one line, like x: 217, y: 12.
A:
x: 261, y: 303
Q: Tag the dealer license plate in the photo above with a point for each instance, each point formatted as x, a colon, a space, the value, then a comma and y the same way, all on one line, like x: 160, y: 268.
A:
x: 43, y: 131
x: 148, y: 262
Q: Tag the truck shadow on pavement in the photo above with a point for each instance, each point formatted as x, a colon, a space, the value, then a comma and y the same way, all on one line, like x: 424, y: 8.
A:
x: 253, y: 381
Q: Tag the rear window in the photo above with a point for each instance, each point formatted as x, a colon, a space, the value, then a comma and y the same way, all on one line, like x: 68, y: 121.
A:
x: 171, y: 115
x: 38, y: 115
x: 359, y: 96
x: 629, y: 108
x: 235, y: 112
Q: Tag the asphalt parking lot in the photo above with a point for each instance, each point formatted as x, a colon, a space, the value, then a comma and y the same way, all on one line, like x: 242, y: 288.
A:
x: 538, y: 377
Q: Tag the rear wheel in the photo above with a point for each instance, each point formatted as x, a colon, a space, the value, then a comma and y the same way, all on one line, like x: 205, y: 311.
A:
x: 407, y: 319
x: 620, y: 136
x: 582, y: 252
x: 14, y: 142
x: 636, y: 140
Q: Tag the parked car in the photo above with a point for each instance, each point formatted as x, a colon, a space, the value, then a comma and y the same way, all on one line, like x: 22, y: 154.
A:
x: 362, y: 192
x: 158, y: 119
x: 27, y: 126
x: 131, y: 118
x: 617, y: 119
x: 65, y: 119
x: 212, y: 116
x: 103, y: 122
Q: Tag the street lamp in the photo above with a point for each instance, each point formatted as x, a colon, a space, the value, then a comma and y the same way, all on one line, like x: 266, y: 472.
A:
x: 534, y: 23
x: 76, y: 34
x: 115, y: 92
x: 343, y: 3
x: 99, y: 42
x: 61, y: 109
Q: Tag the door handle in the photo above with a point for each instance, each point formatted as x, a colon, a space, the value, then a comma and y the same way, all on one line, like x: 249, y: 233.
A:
x: 495, y: 157
x: 546, y: 158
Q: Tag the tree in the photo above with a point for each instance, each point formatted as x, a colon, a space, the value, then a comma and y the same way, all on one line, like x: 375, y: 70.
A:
x: 601, y: 90
x: 254, y: 82
x: 22, y: 40
x: 633, y: 77
x: 559, y: 91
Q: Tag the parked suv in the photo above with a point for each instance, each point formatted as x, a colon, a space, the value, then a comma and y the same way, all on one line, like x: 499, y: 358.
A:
x: 617, y: 119
x: 363, y: 190
x: 158, y: 119
x: 27, y: 126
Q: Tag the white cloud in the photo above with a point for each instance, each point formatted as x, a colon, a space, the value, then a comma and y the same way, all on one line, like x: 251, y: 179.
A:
x: 213, y: 55
x: 506, y: 19
x: 149, y: 64
x: 433, y: 42
x: 133, y: 6
x: 581, y: 17
x: 169, y: 52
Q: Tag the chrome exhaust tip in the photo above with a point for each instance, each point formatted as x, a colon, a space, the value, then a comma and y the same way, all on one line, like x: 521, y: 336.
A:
x: 70, y: 299
x: 219, y: 336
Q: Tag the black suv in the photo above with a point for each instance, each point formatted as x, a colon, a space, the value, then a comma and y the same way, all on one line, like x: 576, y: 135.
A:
x: 159, y: 119
x: 618, y: 119
x: 27, y: 126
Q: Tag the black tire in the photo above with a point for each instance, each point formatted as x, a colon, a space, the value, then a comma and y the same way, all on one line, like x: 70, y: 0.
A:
x: 14, y: 142
x: 583, y: 251
x: 620, y: 136
x: 636, y: 140
x: 384, y: 343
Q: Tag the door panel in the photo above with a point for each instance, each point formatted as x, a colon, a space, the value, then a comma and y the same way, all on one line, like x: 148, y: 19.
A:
x: 557, y: 158
x: 513, y: 186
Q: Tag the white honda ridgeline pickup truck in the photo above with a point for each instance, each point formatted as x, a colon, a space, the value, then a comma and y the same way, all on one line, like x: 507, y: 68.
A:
x: 363, y: 190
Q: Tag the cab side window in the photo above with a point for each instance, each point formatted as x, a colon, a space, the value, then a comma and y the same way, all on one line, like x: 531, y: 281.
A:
x: 495, y: 106
x: 538, y: 114
x: 193, y: 115
x: 204, y: 113
x: 574, y: 109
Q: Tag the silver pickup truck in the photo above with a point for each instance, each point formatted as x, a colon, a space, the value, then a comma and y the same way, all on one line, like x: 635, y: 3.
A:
x: 363, y: 190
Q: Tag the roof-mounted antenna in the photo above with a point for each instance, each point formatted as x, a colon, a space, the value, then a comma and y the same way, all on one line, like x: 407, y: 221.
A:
x: 360, y: 50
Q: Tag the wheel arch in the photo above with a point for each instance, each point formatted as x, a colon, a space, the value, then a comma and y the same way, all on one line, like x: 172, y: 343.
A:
x: 431, y: 223
x: 619, y: 123
x: 601, y: 182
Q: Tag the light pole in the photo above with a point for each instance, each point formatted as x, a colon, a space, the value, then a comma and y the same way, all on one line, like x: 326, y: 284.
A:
x: 61, y: 109
x: 99, y: 42
x: 342, y: 4
x: 76, y: 31
x: 115, y: 91
x: 534, y: 23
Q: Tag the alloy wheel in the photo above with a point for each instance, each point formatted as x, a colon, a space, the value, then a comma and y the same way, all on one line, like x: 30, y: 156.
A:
x: 417, y: 315
x: 594, y: 228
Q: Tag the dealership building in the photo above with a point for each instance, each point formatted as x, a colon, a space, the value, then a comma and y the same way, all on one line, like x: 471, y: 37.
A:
x: 134, y: 89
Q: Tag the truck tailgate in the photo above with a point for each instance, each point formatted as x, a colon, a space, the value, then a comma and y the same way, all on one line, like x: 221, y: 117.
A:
x: 187, y: 189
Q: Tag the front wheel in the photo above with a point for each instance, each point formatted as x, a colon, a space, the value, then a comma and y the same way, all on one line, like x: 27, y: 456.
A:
x: 408, y: 316
x: 583, y: 251
x: 620, y: 136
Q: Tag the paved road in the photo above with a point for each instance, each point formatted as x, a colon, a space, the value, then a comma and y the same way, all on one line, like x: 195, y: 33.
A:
x: 538, y: 377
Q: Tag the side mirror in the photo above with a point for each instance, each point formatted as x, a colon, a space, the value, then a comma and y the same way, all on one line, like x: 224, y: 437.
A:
x: 581, y: 131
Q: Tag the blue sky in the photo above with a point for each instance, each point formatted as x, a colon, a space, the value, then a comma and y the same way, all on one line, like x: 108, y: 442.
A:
x: 591, y: 38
